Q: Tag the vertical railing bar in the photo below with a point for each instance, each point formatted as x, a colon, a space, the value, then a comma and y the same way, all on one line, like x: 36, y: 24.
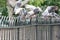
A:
x: 50, y: 33
x: 30, y: 21
x: 18, y: 33
x: 46, y: 33
x: 50, y: 28
x: 36, y: 32
x: 36, y: 27
x: 41, y: 34
x: 1, y: 34
x: 4, y: 34
x: 9, y: 34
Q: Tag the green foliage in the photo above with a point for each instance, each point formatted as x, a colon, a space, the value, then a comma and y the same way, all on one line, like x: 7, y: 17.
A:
x: 52, y: 2
x: 4, y: 12
x: 3, y: 8
x: 42, y: 3
x: 36, y: 2
x: 2, y: 3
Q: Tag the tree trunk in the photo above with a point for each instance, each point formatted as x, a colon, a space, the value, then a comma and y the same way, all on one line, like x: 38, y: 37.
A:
x: 10, y: 6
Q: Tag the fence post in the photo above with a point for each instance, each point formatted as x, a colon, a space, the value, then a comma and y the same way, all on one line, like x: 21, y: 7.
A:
x: 36, y: 26
x: 18, y: 34
x: 50, y: 28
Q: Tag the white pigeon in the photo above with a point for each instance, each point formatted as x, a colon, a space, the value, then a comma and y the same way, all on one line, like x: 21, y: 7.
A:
x: 46, y: 13
x: 30, y: 7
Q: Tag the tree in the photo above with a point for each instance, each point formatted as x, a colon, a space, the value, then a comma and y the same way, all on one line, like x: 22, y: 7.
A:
x: 2, y: 3
x: 3, y: 8
x: 36, y: 2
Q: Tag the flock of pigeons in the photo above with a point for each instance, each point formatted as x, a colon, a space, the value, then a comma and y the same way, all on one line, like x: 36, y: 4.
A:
x: 29, y: 12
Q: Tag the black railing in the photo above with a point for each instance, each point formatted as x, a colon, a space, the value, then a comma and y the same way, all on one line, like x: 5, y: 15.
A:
x: 17, y: 21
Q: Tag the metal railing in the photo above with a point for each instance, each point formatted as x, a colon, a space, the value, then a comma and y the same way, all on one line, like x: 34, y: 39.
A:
x: 17, y: 21
x: 36, y: 32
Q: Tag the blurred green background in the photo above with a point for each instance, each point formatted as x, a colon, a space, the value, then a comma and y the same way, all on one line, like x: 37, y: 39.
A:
x: 3, y: 8
x: 42, y: 3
